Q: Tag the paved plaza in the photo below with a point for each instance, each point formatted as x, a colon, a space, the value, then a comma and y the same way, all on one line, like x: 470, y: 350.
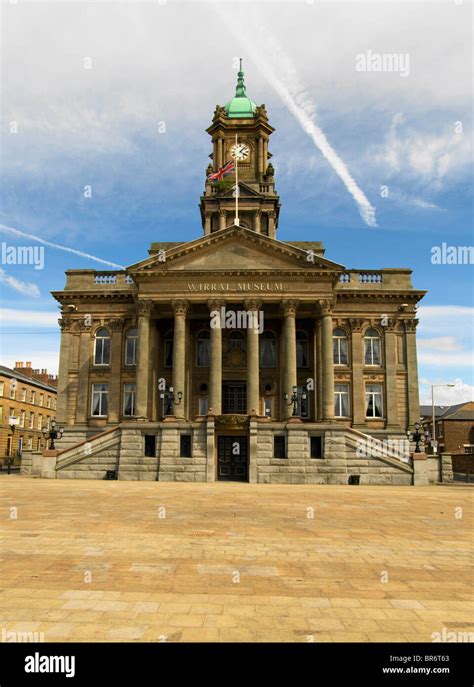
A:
x: 228, y: 562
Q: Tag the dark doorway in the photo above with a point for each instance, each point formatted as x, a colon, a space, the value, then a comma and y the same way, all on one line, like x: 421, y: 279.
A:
x: 232, y: 459
x: 234, y: 398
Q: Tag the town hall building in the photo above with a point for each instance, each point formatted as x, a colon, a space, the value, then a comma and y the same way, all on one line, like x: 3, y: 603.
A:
x: 238, y: 355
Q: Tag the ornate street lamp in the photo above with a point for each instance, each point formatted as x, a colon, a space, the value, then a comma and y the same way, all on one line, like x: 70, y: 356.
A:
x: 52, y: 434
x: 418, y: 437
x: 171, y: 397
x: 293, y: 399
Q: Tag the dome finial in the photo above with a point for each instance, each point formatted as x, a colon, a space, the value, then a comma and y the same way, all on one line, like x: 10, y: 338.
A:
x: 240, y: 90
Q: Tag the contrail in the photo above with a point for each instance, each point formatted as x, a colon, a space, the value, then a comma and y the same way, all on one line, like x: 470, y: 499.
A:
x: 279, y: 71
x: 17, y: 232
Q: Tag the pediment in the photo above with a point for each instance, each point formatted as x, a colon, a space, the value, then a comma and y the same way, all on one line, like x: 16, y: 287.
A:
x: 245, y: 192
x: 233, y: 249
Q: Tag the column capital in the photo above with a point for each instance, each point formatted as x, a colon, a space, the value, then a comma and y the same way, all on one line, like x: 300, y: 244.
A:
x: 392, y: 325
x: 145, y: 307
x: 289, y: 307
x: 180, y: 307
x: 116, y: 325
x: 356, y: 324
x: 215, y: 304
x: 252, y: 304
x: 410, y: 325
x: 324, y: 307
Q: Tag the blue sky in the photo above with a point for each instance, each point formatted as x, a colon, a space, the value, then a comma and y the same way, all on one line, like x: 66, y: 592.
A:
x: 172, y: 64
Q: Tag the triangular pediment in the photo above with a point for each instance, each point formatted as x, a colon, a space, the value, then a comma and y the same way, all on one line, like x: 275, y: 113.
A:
x: 233, y: 249
x: 245, y: 191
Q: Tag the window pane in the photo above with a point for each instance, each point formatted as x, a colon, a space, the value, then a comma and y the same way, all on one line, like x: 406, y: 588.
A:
x: 268, y: 352
x: 169, y: 353
x: 378, y: 405
x: 203, y: 353
x: 376, y: 352
x: 343, y: 356
x: 368, y: 351
x: 301, y: 353
x: 344, y: 405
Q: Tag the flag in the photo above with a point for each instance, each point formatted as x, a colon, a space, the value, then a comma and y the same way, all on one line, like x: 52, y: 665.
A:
x: 228, y: 168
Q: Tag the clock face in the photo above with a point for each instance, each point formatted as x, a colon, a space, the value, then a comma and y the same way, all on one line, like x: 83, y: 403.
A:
x: 240, y: 151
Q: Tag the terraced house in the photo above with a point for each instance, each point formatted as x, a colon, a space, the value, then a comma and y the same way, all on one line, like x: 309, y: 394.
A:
x: 154, y: 383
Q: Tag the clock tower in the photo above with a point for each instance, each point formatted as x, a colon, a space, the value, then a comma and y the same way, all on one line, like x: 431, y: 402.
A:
x: 240, y: 131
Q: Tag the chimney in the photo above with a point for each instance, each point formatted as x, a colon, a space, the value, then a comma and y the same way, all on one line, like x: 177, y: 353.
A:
x: 28, y: 363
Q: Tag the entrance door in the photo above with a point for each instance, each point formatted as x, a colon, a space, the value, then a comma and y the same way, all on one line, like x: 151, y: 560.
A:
x: 232, y: 459
x: 234, y: 397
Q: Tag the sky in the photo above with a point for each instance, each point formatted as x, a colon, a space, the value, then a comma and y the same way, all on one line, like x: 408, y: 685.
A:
x: 104, y: 149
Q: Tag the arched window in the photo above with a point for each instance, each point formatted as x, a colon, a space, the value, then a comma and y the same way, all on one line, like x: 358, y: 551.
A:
x: 340, y: 347
x: 203, y: 349
x: 131, y: 342
x: 302, y: 349
x: 102, y: 347
x: 268, y: 350
x: 236, y: 340
x: 372, y: 347
x: 168, y: 349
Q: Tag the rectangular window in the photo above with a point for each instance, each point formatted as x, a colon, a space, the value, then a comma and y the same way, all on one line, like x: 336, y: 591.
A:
x: 1, y: 414
x: 23, y: 395
x: 40, y: 422
x: 185, y: 446
x: 340, y: 350
x: 30, y: 442
x: 41, y: 401
x: 12, y: 390
x: 169, y: 351
x: 303, y: 403
x: 150, y: 445
x: 129, y: 399
x: 48, y: 404
x: 131, y: 349
x: 372, y: 350
x: 100, y: 400
x: 31, y: 421
x: 33, y: 396
x: 2, y: 388
x: 22, y: 418
x: 316, y: 447
x: 203, y: 405
x: 468, y: 448
x: 341, y: 400
x: 279, y: 446
x: 203, y: 350
x: 373, y: 400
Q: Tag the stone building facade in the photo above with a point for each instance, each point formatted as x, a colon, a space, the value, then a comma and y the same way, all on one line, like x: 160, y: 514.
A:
x: 161, y: 377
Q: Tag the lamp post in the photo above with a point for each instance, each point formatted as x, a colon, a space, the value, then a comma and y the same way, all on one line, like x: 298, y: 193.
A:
x: 52, y: 434
x: 293, y: 399
x: 434, y: 444
x: 418, y: 436
x: 171, y: 397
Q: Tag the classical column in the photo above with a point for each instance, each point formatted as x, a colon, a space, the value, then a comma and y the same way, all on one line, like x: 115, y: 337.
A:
x: 222, y: 219
x: 260, y: 155
x: 327, y: 361
x: 357, y: 362
x: 215, y: 371
x: 412, y: 372
x: 289, y: 346
x: 253, y: 361
x: 207, y: 222
x: 115, y: 391
x: 391, y: 394
x: 256, y: 221
x: 85, y: 349
x: 144, y: 309
x: 63, y: 373
x: 179, y: 358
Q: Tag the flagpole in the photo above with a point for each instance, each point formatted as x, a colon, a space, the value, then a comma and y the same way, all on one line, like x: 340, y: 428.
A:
x: 236, y: 186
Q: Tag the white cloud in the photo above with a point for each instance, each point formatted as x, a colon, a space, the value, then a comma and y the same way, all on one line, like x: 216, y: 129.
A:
x: 25, y: 288
x: 440, y: 343
x: 428, y: 157
x: 445, y: 336
x: 444, y: 395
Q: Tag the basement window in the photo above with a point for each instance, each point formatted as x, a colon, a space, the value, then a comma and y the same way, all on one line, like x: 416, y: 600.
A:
x: 150, y: 445
x: 316, y: 447
x: 185, y: 446
x: 279, y: 446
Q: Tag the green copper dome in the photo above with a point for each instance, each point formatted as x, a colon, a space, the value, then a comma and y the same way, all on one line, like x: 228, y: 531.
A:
x: 240, y: 107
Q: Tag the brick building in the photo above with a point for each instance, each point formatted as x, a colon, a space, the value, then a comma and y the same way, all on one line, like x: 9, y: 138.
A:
x: 454, y: 432
x: 29, y: 395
